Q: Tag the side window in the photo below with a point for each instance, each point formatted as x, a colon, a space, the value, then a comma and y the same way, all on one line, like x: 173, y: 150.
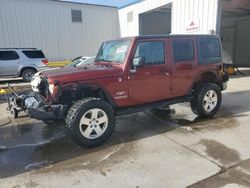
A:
x: 183, y: 50
x: 209, y: 50
x: 34, y: 54
x: 8, y: 55
x: 152, y: 51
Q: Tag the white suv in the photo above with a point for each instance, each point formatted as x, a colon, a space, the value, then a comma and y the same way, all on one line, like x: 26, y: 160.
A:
x: 24, y: 62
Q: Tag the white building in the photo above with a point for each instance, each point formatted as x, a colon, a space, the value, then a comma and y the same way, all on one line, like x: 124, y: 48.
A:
x: 229, y: 18
x: 62, y: 30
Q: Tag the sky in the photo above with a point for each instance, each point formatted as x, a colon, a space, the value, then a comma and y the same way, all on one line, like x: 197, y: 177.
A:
x: 117, y: 3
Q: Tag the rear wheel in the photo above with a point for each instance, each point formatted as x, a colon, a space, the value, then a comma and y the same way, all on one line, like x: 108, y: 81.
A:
x: 207, y: 99
x: 28, y: 74
x: 91, y: 121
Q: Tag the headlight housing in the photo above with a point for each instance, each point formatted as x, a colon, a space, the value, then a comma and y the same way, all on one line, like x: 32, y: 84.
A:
x: 51, y: 88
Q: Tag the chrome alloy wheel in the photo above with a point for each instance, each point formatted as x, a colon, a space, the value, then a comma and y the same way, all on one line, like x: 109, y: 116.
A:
x: 210, y: 101
x: 28, y: 76
x: 93, y: 123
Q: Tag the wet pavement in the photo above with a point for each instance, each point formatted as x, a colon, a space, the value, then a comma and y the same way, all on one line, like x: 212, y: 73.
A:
x: 13, y: 81
x: 147, y: 149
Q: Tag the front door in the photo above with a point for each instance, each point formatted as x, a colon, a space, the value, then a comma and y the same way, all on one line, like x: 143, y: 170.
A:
x: 9, y: 63
x: 150, y: 81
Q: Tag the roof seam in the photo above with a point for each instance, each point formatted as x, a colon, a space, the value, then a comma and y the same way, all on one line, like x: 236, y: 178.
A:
x: 90, y: 4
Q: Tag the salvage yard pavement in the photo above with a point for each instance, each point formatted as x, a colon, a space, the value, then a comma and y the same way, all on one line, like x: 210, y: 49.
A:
x: 148, y: 149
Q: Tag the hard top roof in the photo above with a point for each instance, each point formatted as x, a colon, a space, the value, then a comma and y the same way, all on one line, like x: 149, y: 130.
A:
x: 3, y: 49
x: 175, y: 36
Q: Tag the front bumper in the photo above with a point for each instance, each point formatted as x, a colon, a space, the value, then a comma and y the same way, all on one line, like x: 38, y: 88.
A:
x: 224, y: 86
x: 225, y: 79
x: 48, y: 112
x: 38, y: 109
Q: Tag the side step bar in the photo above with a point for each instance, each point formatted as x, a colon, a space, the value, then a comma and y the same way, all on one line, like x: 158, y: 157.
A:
x: 140, y: 108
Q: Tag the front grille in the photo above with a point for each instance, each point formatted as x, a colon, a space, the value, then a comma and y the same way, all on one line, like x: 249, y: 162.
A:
x: 44, y: 87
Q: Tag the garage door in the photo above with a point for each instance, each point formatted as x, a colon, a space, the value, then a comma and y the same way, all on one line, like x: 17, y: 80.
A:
x: 242, y: 50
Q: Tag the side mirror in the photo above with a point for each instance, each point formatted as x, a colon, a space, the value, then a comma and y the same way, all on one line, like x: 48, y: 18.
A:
x: 138, y: 61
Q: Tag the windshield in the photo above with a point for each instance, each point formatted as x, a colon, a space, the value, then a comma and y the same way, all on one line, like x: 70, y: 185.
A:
x: 87, y: 61
x: 113, y: 51
x: 76, y: 61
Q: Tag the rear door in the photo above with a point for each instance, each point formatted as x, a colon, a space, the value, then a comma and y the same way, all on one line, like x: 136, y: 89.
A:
x: 151, y: 81
x: 184, y: 65
x: 9, y: 63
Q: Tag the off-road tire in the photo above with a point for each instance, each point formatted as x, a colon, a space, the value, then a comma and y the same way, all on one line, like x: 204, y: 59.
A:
x: 197, y: 103
x: 28, y: 71
x: 77, y: 111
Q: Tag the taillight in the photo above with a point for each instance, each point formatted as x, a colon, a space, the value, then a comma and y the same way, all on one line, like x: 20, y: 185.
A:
x: 45, y: 62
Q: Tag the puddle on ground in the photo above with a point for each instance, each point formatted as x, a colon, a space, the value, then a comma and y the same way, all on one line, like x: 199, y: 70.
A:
x: 220, y: 152
x: 101, y: 159
x: 27, y: 145
x: 183, y: 117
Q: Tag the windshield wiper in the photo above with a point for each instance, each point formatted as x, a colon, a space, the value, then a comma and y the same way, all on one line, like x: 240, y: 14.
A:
x: 105, y: 60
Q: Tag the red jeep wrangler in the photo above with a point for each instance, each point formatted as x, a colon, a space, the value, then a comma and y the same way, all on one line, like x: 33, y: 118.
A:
x: 130, y: 75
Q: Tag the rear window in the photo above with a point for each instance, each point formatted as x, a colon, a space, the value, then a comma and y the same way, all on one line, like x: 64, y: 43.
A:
x: 210, y: 50
x: 8, y: 55
x: 34, y: 54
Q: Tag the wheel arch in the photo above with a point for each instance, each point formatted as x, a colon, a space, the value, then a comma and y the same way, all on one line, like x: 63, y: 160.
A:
x: 25, y: 68
x: 84, y: 90
x: 206, y: 76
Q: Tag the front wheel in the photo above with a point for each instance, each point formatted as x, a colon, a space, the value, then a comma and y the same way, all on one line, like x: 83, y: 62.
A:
x: 207, y: 99
x: 91, y: 121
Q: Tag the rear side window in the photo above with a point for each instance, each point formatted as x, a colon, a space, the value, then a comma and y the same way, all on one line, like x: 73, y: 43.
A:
x: 38, y: 54
x: 209, y: 50
x: 8, y: 55
x: 152, y: 51
x: 183, y: 50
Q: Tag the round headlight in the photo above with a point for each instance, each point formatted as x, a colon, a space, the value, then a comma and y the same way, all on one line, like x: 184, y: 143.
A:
x: 51, y: 88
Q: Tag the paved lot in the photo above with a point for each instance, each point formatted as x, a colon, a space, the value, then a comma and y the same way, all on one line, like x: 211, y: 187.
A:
x: 147, y: 150
x: 13, y: 82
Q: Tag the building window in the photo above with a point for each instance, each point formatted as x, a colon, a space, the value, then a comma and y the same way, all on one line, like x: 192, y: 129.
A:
x: 130, y: 17
x: 183, y: 50
x: 76, y: 16
x: 152, y: 51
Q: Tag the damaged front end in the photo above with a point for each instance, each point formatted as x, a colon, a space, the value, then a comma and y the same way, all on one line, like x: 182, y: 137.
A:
x: 38, y: 109
x: 36, y: 103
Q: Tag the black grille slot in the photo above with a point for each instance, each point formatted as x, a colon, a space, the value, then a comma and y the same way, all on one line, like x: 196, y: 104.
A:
x: 44, y: 87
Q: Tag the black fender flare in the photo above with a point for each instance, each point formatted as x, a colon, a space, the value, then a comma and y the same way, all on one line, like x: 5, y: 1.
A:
x: 198, y: 79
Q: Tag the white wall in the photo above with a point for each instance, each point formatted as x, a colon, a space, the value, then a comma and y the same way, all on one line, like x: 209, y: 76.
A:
x: 183, y: 11
x: 132, y: 28
x: 205, y: 11
x: 47, y: 25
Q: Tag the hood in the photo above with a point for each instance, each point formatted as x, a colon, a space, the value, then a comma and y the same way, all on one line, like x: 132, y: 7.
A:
x: 91, y: 71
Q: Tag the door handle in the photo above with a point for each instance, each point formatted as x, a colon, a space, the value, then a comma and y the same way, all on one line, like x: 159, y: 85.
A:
x: 189, y: 66
x: 163, y: 70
